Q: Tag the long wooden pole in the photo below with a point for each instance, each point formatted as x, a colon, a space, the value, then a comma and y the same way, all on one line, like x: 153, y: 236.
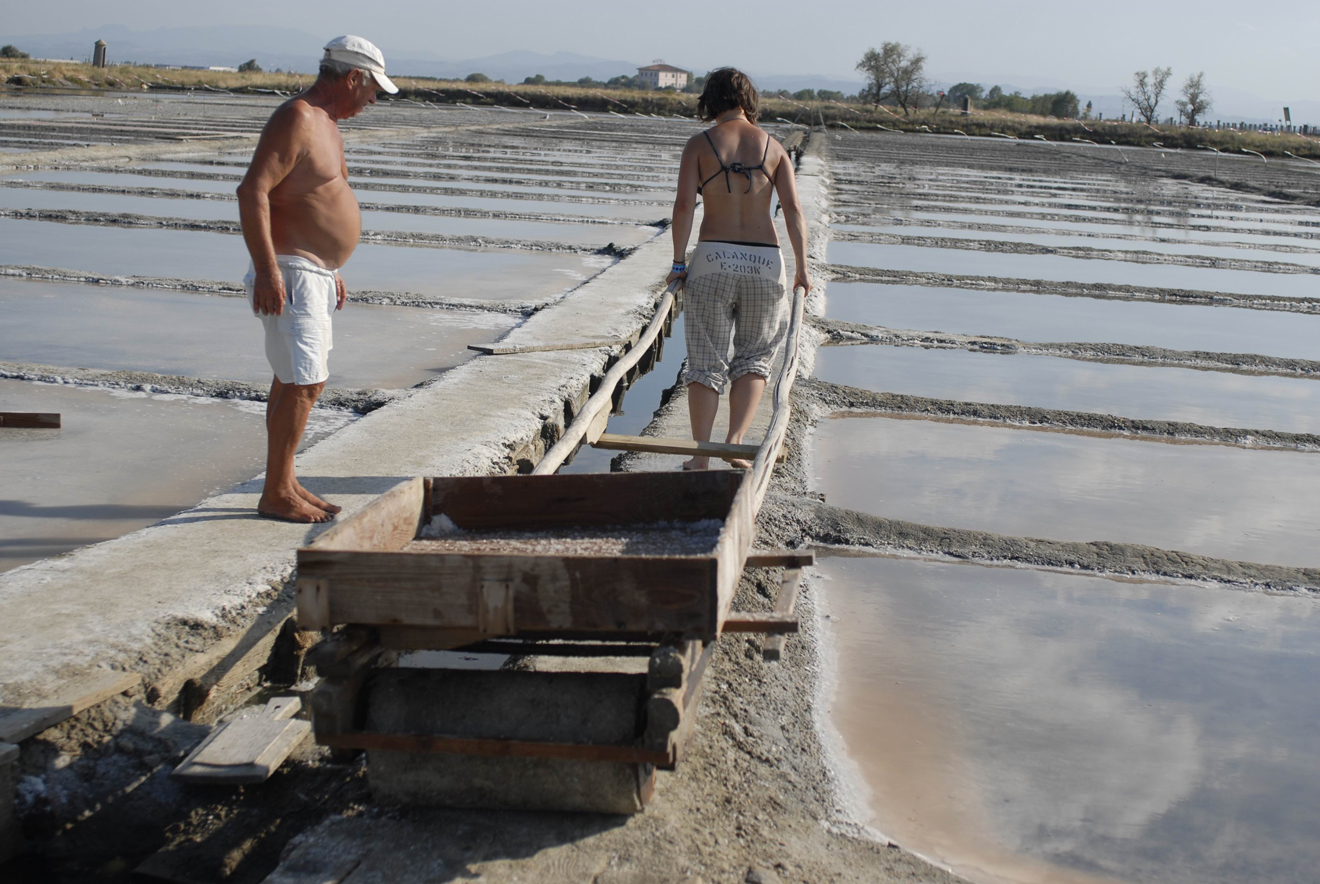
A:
x: 768, y: 454
x: 587, y: 420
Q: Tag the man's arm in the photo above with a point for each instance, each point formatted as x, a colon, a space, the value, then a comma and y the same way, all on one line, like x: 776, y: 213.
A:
x: 283, y: 144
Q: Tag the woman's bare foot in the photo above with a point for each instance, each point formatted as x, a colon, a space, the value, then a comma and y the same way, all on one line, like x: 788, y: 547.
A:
x: 317, y: 502
x: 739, y: 464
x: 696, y: 463
x: 291, y: 509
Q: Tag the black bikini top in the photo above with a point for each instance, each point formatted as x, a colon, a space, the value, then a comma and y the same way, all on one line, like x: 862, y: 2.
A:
x: 735, y: 167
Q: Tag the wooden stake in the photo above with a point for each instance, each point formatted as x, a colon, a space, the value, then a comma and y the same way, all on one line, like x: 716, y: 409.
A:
x: 36, y: 420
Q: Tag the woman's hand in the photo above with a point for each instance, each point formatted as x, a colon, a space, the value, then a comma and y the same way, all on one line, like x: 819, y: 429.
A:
x: 802, y: 280
x: 675, y: 274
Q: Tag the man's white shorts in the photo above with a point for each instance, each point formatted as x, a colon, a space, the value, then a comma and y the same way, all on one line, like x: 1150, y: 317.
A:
x: 298, y: 340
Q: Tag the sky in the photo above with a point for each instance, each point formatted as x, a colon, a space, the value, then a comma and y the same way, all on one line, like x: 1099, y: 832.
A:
x: 1262, y: 47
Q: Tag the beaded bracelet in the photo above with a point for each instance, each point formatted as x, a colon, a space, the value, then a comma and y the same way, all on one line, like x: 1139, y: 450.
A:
x: 678, y: 268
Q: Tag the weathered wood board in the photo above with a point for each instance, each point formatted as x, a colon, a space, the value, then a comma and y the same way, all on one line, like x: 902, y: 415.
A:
x: 247, y: 750
x: 358, y: 573
x: 19, y: 723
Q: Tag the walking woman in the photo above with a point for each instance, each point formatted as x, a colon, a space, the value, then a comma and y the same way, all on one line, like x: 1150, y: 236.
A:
x: 734, y: 281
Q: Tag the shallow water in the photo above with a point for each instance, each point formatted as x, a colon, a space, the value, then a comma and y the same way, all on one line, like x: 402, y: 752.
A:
x: 1307, y: 259
x: 1220, y: 399
x: 209, y: 336
x: 1166, y: 228
x: 1029, y: 726
x: 1060, y: 269
x: 491, y: 274
x: 1231, y: 503
x: 121, y: 461
x: 1029, y: 317
x: 227, y: 210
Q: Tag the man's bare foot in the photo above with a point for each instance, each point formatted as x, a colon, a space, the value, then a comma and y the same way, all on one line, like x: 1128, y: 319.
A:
x: 317, y: 502
x: 291, y: 509
x: 696, y: 463
x: 739, y: 464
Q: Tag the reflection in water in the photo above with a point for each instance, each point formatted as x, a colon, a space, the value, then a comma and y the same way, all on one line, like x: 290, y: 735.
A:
x: 1060, y: 269
x: 1029, y: 317
x: 1230, y: 503
x: 1031, y: 726
x: 491, y: 274
x: 1220, y: 399
x: 183, y: 333
x: 121, y: 461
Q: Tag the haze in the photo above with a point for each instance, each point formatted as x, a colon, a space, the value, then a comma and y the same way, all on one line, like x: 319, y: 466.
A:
x: 1258, y: 48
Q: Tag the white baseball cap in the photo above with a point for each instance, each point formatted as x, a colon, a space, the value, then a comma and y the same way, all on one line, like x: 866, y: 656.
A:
x: 361, y: 53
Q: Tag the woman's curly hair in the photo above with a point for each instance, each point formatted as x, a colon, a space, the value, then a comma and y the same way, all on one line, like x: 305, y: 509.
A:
x: 726, y: 89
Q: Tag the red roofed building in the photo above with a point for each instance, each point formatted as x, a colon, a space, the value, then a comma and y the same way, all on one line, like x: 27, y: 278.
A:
x: 661, y: 75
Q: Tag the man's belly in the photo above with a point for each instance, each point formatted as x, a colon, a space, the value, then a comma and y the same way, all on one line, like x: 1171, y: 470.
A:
x: 324, y: 227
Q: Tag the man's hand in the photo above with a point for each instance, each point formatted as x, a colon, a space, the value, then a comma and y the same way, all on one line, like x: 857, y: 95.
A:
x: 342, y: 292
x: 268, y: 293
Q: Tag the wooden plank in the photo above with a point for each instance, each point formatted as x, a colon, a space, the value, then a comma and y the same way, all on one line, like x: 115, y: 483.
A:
x: 734, y: 544
x: 388, y: 522
x: 638, y: 593
x: 678, y: 738
x: 495, y: 748
x: 786, y: 603
x: 248, y: 750
x: 596, y: 428
x: 19, y: 723
x: 657, y: 445
x: 603, y: 398
x: 36, y: 420
x: 758, y: 621
x: 313, y: 598
x: 508, y: 349
x: 772, y: 446
x: 779, y: 558
x: 542, y: 502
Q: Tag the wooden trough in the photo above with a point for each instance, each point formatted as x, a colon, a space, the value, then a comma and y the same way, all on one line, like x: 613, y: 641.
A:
x: 575, y: 580
x: 600, y: 568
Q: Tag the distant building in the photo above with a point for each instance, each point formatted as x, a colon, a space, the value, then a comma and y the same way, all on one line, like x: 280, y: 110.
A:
x: 98, y: 54
x: 222, y: 70
x: 661, y: 75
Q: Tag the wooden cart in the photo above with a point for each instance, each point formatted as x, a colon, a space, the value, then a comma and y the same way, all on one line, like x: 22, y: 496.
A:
x: 597, y: 572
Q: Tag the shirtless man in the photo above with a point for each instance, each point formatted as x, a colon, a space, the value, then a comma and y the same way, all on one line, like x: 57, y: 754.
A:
x: 301, y: 223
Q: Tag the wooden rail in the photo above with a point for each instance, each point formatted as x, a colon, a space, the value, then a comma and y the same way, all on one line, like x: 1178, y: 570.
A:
x: 591, y: 420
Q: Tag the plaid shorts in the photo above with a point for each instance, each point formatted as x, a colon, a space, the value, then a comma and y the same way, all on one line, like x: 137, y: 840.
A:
x: 735, y: 295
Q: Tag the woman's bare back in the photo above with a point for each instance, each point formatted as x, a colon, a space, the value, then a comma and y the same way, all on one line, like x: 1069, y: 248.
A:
x: 737, y: 164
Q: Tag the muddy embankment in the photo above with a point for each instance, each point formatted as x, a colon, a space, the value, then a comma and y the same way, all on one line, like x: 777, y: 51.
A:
x: 841, y: 333
x: 1103, y: 290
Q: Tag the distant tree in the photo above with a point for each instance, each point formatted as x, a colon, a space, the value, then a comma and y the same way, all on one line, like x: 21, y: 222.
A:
x: 12, y: 51
x: 1086, y: 114
x: 537, y: 80
x: 805, y: 95
x: 249, y: 66
x: 1064, y: 105
x: 1196, y: 99
x: 587, y: 81
x: 909, y: 77
x: 878, y: 68
x: 958, y: 91
x: 829, y: 95
x: 995, y: 94
x: 476, y: 78
x: 1146, y: 91
x: 623, y: 81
